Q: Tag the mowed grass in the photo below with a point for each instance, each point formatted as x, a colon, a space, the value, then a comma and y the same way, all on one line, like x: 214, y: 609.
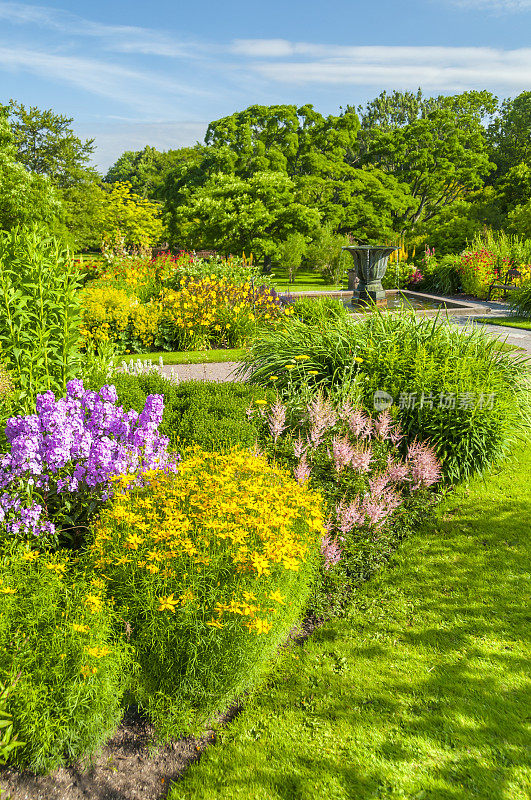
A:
x: 305, y: 281
x: 187, y: 357
x: 507, y: 322
x: 421, y: 693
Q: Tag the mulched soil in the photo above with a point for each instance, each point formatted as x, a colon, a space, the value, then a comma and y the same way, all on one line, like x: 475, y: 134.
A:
x: 128, y: 767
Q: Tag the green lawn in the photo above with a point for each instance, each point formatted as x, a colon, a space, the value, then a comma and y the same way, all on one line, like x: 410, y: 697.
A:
x: 188, y: 357
x: 422, y: 693
x: 508, y: 322
x: 305, y: 281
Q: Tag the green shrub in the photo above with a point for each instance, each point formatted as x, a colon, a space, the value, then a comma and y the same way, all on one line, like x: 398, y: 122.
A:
x: 212, y: 415
x: 480, y: 396
x: 39, y: 312
x: 210, y: 568
x: 520, y: 301
x: 67, y: 675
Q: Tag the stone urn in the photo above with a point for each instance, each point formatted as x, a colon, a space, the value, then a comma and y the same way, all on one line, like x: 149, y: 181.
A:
x: 370, y: 263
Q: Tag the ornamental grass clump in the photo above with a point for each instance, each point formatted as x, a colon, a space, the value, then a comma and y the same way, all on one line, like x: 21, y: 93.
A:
x: 209, y: 569
x: 62, y: 459
x: 66, y: 669
x: 375, y: 486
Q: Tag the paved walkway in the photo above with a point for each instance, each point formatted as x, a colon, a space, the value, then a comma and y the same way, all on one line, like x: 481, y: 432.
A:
x: 203, y: 372
x: 517, y: 336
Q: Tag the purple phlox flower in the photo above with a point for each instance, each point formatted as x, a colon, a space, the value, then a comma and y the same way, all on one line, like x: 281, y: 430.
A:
x: 359, y: 423
x: 361, y: 459
x: 330, y: 550
x: 302, y: 471
x: 80, y: 442
x: 342, y: 452
x: 276, y: 420
x: 424, y: 466
x: 348, y: 516
x: 397, y: 471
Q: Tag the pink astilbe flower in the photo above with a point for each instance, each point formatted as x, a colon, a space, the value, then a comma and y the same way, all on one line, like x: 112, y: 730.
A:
x: 378, y: 484
x: 397, y: 471
x: 330, y: 550
x: 277, y: 420
x: 342, y: 452
x: 359, y: 423
x: 299, y: 447
x: 383, y: 424
x: 424, y: 466
x: 361, y: 459
x: 322, y: 416
x: 349, y: 516
x: 302, y: 471
x: 377, y: 510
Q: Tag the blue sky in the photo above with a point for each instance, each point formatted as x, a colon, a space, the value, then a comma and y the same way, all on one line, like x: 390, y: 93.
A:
x: 135, y: 73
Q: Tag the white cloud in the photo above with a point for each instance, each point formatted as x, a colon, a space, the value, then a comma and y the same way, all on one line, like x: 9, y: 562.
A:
x: 433, y: 68
x: 118, y: 38
x: 141, y: 90
x: 496, y: 5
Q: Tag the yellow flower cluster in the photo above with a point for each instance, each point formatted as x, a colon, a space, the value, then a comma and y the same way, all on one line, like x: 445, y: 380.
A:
x: 213, y: 309
x: 225, y: 519
x: 108, y: 312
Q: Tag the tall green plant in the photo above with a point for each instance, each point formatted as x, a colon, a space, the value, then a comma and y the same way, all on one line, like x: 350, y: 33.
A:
x: 39, y: 312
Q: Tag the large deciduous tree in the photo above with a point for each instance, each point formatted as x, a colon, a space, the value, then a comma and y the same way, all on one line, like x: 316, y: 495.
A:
x: 237, y: 215
x: 436, y: 146
x: 24, y: 197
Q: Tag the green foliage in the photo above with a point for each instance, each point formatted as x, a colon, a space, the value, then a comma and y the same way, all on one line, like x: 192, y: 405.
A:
x: 8, y: 741
x: 398, y: 275
x: 24, y: 197
x: 236, y: 215
x: 440, y: 276
x: 510, y: 133
x: 210, y: 568
x: 146, y: 169
x: 428, y: 666
x: 476, y: 400
x: 520, y: 301
x: 325, y: 254
x: 133, y: 218
x: 40, y: 313
x: 436, y: 146
x: 58, y: 655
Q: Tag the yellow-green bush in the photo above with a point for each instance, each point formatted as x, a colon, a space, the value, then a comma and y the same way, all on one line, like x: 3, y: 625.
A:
x: 66, y: 673
x: 210, y: 568
x: 111, y: 313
